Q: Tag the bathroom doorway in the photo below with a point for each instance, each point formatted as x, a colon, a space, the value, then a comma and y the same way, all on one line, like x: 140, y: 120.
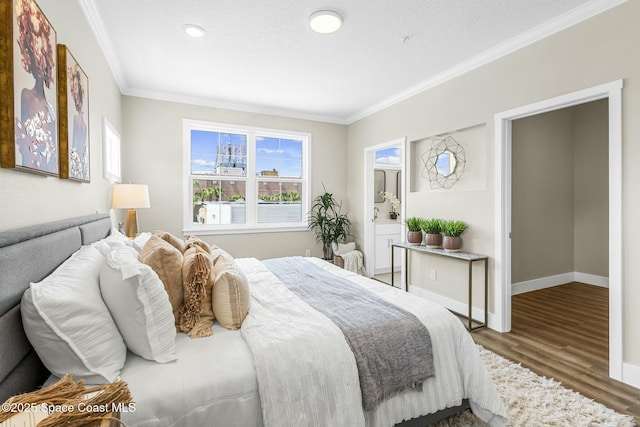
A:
x: 383, y: 226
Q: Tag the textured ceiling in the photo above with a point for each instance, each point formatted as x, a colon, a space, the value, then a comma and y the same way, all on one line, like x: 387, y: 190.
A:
x: 261, y: 56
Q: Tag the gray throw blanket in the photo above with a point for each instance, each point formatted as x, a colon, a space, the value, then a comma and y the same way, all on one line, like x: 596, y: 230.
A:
x: 392, y: 348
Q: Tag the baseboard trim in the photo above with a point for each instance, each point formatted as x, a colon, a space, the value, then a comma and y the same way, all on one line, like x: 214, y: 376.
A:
x: 592, y: 279
x: 558, y: 279
x: 631, y: 375
x: 451, y: 304
x: 541, y: 283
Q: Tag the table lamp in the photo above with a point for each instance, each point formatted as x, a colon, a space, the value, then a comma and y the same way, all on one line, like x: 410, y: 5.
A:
x: 132, y: 197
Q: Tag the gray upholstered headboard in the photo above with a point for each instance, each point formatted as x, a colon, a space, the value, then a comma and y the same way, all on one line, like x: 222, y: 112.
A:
x: 28, y: 255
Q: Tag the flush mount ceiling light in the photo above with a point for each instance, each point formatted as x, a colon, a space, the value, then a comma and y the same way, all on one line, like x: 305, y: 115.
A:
x: 194, y: 30
x: 325, y: 21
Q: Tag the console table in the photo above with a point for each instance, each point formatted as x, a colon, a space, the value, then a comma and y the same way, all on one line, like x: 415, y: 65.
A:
x: 462, y: 256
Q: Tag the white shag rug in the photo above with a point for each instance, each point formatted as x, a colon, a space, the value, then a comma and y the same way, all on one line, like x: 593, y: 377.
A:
x: 532, y: 400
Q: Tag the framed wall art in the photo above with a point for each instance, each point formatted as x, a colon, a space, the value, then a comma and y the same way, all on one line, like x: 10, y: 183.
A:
x: 28, y: 107
x: 73, y: 105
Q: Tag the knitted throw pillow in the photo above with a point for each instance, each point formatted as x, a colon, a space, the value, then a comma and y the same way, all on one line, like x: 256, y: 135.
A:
x: 195, y: 240
x: 196, y: 315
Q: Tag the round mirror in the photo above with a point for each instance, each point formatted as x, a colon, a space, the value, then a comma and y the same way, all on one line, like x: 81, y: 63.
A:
x: 446, y: 163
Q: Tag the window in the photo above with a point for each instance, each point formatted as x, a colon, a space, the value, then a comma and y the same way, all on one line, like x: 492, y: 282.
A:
x: 111, y: 155
x: 389, y: 157
x: 242, y: 179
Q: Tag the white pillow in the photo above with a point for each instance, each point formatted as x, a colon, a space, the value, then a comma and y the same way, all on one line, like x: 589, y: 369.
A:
x: 116, y: 240
x: 139, y: 304
x: 69, y: 325
x: 113, y: 240
x: 140, y: 240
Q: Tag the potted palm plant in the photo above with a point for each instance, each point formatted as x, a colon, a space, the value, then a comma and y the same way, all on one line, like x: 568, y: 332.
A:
x: 432, y: 228
x: 414, y: 230
x: 329, y: 223
x: 452, y: 229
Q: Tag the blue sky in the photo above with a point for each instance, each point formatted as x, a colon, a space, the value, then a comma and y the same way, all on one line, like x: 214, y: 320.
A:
x: 388, y: 157
x: 284, y: 155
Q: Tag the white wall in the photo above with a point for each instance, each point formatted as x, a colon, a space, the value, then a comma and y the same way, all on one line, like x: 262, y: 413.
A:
x: 152, y: 147
x: 27, y: 198
x: 593, y: 52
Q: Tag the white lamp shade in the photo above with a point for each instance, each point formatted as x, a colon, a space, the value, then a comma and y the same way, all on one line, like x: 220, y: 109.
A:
x: 130, y: 196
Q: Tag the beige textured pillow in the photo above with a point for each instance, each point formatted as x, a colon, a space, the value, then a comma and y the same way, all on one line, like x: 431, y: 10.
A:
x: 230, y: 292
x: 195, y: 240
x: 196, y: 315
x: 166, y: 261
x: 217, y: 252
x: 174, y: 241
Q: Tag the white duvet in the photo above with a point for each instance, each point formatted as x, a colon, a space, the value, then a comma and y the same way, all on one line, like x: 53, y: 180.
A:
x: 212, y: 383
x: 310, y: 379
x: 218, y: 381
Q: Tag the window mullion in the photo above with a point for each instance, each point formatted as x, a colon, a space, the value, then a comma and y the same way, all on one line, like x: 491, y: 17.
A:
x: 252, y: 191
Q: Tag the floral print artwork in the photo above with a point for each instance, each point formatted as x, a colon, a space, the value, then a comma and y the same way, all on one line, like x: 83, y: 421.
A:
x: 35, y: 120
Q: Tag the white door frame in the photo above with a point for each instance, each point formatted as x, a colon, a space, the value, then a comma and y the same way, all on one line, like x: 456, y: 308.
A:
x: 502, y: 264
x: 369, y: 226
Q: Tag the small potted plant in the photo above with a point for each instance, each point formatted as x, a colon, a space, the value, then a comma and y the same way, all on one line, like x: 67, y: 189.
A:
x: 414, y: 230
x: 432, y: 229
x: 452, y: 229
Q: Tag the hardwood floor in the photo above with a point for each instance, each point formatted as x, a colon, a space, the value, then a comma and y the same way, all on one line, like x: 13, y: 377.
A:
x: 562, y: 333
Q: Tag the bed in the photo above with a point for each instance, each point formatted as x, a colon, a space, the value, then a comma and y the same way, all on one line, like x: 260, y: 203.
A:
x: 223, y: 379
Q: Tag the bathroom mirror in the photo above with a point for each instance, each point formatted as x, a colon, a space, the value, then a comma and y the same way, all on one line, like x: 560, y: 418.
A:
x: 379, y: 185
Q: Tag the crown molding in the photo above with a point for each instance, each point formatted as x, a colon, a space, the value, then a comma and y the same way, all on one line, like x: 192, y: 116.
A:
x: 538, y: 33
x: 95, y: 22
x: 246, y: 108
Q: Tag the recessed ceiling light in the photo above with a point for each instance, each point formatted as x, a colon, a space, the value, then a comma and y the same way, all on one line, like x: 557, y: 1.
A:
x: 194, y: 30
x: 325, y: 21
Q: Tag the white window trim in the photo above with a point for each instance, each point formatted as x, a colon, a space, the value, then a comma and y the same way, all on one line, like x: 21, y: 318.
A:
x: 251, y: 225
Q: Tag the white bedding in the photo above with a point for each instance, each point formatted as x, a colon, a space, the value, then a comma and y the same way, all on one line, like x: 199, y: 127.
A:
x: 294, y: 379
x: 214, y: 382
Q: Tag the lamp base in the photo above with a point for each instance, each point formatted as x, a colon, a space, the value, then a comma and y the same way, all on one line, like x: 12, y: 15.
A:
x: 131, y: 224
